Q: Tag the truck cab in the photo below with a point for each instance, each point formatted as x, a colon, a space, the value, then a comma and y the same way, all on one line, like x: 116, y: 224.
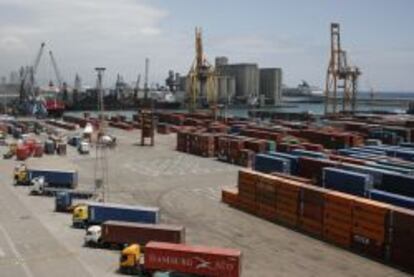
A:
x: 21, y: 175
x: 63, y: 201
x: 93, y: 235
x: 38, y: 184
x: 80, y: 216
x: 130, y: 261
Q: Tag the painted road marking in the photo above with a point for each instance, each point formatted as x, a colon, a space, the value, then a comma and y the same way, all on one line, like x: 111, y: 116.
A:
x: 13, y: 247
x: 2, y: 254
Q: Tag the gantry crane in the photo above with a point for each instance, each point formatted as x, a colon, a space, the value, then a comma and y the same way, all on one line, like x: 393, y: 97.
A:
x: 201, y: 78
x: 341, y: 77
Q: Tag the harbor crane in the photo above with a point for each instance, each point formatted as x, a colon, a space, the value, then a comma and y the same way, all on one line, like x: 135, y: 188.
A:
x: 27, y: 78
x: 201, y: 79
x: 59, y: 79
x: 341, y: 78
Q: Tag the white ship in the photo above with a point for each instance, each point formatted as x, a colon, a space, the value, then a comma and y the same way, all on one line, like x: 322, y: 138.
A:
x: 302, y: 90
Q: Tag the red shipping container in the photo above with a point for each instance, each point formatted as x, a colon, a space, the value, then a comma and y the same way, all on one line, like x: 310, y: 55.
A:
x: 199, y: 260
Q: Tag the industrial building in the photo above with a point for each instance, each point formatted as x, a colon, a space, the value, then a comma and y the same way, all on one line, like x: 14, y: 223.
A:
x: 246, y: 77
x: 271, y: 85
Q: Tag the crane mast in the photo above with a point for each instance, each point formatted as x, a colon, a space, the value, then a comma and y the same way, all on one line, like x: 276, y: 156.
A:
x: 340, y: 78
x: 201, y: 78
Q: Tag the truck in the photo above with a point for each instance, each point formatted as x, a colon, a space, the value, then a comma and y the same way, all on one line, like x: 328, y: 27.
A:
x: 96, y: 213
x: 172, y: 259
x: 119, y: 234
x: 56, y: 178
x: 40, y: 187
x: 64, y: 199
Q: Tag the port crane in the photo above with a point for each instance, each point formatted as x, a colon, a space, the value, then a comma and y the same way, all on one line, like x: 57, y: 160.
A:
x: 27, y: 78
x: 341, y: 77
x: 201, y: 79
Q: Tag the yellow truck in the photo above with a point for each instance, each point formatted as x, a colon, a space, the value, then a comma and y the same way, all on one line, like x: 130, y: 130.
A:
x: 21, y: 175
x: 131, y: 260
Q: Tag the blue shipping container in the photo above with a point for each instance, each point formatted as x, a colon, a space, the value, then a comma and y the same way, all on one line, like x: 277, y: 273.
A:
x: 63, y: 200
x: 101, y: 212
x: 347, y: 181
x: 376, y: 173
x: 398, y: 183
x: 56, y: 178
x: 308, y: 153
x: 267, y: 164
x: 391, y: 198
x: 293, y: 160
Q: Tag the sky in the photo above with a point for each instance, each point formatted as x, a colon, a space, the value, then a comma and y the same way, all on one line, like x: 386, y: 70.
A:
x: 291, y: 34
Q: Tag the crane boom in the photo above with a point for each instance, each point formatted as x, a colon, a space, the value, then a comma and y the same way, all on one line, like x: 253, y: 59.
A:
x: 56, y: 69
x: 38, y: 57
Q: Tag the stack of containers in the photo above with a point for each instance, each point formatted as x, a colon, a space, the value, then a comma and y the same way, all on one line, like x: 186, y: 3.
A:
x: 338, y: 218
x: 235, y: 146
x: 258, y: 145
x: 206, y: 145
x: 247, y: 191
x: 376, y: 173
x: 347, y: 181
x: 398, y: 183
x: 369, y: 227
x: 311, y: 210
x: 311, y: 168
x: 402, y: 250
x: 267, y: 163
x: 246, y: 158
x: 294, y: 160
x: 287, y: 199
x: 266, y: 191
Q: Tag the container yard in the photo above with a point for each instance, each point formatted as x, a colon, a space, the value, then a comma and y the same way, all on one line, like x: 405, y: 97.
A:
x: 222, y: 167
x: 275, y: 196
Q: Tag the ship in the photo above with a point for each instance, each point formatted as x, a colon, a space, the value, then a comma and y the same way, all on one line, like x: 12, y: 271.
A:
x: 49, y: 101
x: 302, y: 90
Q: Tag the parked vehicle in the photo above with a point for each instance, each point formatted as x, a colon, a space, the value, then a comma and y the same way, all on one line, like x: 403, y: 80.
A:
x: 119, y: 233
x: 171, y: 258
x: 95, y: 213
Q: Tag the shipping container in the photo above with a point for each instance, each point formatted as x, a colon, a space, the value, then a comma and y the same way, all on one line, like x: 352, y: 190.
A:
x: 101, y: 212
x: 201, y: 260
x: 391, y: 198
x: 311, y: 213
x: 230, y: 196
x: 347, y: 181
x: 56, y: 178
x: 294, y: 160
x: 267, y: 163
x: 370, y: 227
x: 376, y: 173
x: 119, y: 232
x: 338, y: 218
x: 308, y: 153
x: 397, y: 183
x: 311, y: 168
x: 402, y: 238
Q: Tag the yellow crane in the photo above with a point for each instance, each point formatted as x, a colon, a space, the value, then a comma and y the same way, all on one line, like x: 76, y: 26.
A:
x: 201, y: 80
x: 341, y: 77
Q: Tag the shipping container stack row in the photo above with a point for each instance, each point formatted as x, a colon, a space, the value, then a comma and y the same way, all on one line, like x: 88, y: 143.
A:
x: 62, y: 124
x: 372, y: 228
x: 348, y: 175
x: 81, y: 121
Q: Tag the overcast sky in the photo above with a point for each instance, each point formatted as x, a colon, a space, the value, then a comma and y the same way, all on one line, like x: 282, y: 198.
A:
x: 292, y: 34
